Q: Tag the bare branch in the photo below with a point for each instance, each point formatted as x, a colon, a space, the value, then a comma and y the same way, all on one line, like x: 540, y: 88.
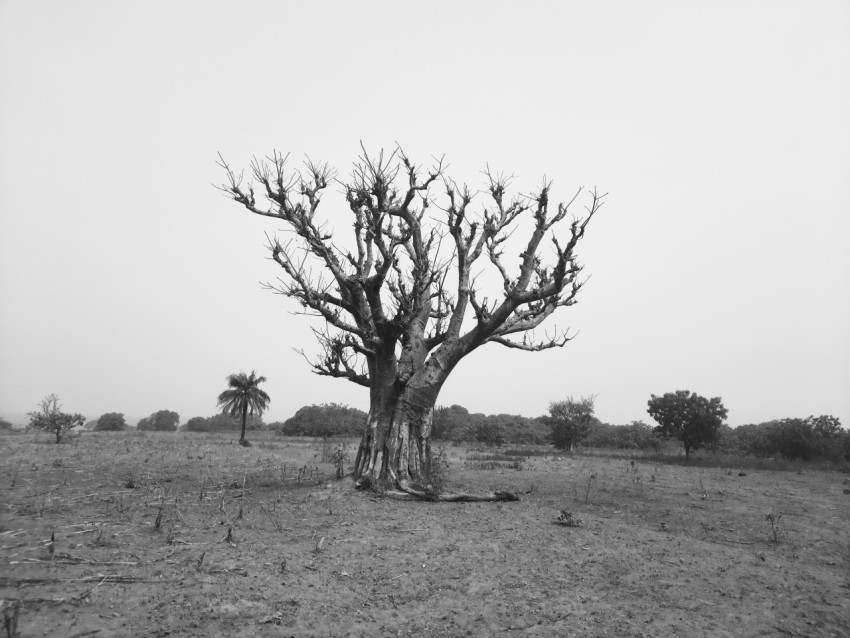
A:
x: 534, y: 346
x: 394, y: 282
x: 393, y: 313
x: 339, y: 358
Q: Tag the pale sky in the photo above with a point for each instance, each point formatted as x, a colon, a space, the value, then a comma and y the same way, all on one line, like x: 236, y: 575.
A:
x: 720, y: 130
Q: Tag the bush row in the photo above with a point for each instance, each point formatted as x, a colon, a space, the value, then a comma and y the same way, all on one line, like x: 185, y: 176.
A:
x: 806, y: 439
x: 793, y: 438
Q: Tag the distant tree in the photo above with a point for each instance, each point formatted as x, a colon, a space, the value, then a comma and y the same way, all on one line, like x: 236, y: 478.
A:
x: 684, y: 415
x: 826, y: 426
x: 244, y: 397
x: 5, y: 426
x: 538, y: 432
x: 504, y: 428
x: 160, y: 421
x: 725, y: 437
x: 571, y: 421
x: 327, y: 419
x: 637, y: 435
x: 166, y: 421
x: 793, y: 439
x: 834, y: 441
x: 455, y: 423
x: 50, y: 418
x: 451, y: 424
x: 753, y: 439
x: 642, y: 436
x: 195, y: 424
x: 845, y: 444
x: 221, y: 423
x: 111, y: 422
x: 490, y: 431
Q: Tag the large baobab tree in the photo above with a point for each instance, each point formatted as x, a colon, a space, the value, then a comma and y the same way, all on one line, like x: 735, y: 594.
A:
x: 400, y: 304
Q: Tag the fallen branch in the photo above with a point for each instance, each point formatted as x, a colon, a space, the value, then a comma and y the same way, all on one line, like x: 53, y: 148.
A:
x: 112, y: 578
x: 236, y: 570
x: 406, y: 491
x: 89, y: 592
x: 274, y: 522
x: 448, y: 497
x: 75, y: 560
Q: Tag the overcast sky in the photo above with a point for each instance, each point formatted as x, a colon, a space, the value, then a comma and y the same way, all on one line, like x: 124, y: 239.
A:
x: 720, y: 130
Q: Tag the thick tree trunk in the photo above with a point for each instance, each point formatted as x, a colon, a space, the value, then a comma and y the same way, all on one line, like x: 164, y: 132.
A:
x: 382, y: 401
x: 388, y: 454
x: 394, y: 456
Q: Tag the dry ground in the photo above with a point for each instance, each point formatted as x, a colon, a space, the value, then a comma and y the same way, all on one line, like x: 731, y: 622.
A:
x: 140, y: 526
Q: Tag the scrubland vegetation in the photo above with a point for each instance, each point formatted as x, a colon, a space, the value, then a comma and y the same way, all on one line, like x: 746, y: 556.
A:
x: 813, y: 438
x: 820, y: 438
x: 160, y: 533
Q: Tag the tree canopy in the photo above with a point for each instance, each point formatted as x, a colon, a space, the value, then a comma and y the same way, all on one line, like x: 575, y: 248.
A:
x: 50, y: 418
x: 327, y: 419
x: 689, y: 417
x: 571, y: 421
x: 636, y: 435
x: 221, y: 423
x: 160, y: 421
x: 813, y: 437
x: 111, y: 422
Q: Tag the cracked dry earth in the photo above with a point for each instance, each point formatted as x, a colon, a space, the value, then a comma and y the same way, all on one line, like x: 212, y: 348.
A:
x: 148, y: 540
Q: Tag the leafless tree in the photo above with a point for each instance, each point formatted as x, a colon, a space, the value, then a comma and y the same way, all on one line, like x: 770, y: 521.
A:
x: 401, y: 305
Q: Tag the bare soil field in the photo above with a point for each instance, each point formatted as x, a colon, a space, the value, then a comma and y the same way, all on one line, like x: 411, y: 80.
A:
x: 191, y: 535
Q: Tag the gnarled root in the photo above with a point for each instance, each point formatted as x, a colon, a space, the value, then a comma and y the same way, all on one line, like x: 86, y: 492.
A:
x: 405, y: 491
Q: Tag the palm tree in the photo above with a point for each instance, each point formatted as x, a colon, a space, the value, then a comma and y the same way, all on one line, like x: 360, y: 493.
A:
x: 244, y: 397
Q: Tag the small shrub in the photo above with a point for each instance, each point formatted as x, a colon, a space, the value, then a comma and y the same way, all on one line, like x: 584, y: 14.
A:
x: 566, y: 518
x: 590, y: 479
x: 339, y: 459
x: 775, y: 530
